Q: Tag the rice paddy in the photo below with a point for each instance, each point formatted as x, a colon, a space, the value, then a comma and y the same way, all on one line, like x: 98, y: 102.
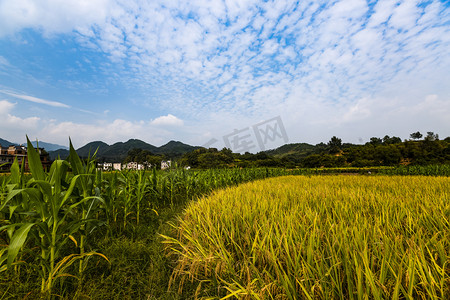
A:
x: 319, y: 237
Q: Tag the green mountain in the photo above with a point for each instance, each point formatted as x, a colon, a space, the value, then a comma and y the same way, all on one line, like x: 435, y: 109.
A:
x: 300, y: 149
x: 90, y: 148
x: 175, y: 148
x: 61, y: 153
x: 48, y: 146
x: 118, y: 151
x: 6, y: 143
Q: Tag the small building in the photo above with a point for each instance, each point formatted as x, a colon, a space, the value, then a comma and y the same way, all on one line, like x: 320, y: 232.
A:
x: 165, y: 164
x: 131, y: 166
x: 8, y: 155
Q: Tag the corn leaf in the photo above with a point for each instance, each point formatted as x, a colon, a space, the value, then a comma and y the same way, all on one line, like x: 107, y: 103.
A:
x: 18, y: 239
x: 34, y: 162
x: 15, y: 172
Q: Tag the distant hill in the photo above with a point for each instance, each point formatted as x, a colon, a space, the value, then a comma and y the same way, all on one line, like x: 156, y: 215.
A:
x: 118, y: 151
x: 90, y: 148
x: 6, y: 143
x: 48, y: 146
x: 289, y: 149
x: 176, y: 148
x: 62, y: 153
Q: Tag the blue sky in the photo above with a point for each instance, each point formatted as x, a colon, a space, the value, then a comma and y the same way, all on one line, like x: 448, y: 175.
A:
x: 194, y: 71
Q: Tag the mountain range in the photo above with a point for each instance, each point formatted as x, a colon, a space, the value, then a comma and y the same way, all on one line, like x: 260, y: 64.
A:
x: 111, y: 153
x: 46, y: 146
x: 6, y: 143
x: 118, y: 151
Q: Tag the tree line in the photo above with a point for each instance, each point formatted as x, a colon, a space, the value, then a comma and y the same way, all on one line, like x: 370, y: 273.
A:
x: 386, y: 151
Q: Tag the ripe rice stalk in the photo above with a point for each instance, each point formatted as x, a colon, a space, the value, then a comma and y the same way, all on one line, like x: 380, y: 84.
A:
x: 320, y: 237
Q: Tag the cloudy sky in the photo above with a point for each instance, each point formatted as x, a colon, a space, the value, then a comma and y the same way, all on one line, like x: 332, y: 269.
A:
x: 197, y: 70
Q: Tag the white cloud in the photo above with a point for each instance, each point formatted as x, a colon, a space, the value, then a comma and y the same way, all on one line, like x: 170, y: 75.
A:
x: 4, y: 62
x: 11, y: 125
x: 51, y: 16
x: 405, y: 15
x: 118, y: 130
x: 169, y: 120
x: 35, y: 99
x: 14, y: 128
x: 5, y: 107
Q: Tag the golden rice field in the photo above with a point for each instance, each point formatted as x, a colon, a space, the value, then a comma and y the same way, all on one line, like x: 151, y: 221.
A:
x: 319, y: 237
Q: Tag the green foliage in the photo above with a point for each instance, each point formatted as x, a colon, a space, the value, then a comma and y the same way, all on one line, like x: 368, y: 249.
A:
x: 44, y: 214
x: 334, y: 145
x: 416, y: 135
x: 389, y: 151
x: 144, y: 157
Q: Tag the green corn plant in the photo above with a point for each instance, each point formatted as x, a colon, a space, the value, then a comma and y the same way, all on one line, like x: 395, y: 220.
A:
x: 48, y: 218
x: 85, y: 188
x: 128, y: 195
x: 142, y: 188
x: 112, y: 193
x: 8, y: 210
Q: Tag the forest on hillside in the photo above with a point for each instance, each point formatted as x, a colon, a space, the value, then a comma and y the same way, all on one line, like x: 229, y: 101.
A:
x: 386, y: 151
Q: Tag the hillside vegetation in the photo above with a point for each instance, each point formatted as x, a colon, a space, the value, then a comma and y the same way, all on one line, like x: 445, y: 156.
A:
x: 391, y: 152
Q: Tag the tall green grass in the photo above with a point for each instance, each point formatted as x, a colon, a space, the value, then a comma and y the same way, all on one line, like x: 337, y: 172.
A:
x: 429, y: 170
x: 320, y: 237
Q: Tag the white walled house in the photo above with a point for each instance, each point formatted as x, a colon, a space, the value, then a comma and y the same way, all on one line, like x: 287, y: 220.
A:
x: 131, y: 166
x: 165, y: 164
x: 134, y: 166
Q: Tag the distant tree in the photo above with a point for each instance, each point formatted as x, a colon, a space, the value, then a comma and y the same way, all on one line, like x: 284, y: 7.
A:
x: 334, y: 145
x: 261, y: 155
x: 320, y: 147
x: 394, y: 140
x: 226, y: 152
x: 391, y: 140
x: 387, y: 155
x: 312, y: 161
x: 431, y: 136
x: 416, y: 135
x: 375, y: 141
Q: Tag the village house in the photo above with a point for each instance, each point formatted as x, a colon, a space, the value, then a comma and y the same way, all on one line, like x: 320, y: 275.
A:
x: 107, y: 166
x: 119, y: 166
x: 134, y: 166
x: 7, y: 156
x: 165, y: 164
